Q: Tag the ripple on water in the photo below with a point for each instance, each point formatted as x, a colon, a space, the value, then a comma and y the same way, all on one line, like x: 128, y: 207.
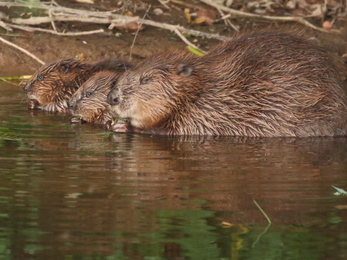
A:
x: 78, y: 191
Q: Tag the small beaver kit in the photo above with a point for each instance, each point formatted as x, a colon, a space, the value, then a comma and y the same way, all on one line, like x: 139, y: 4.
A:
x: 89, y: 102
x: 263, y: 84
x: 53, y: 84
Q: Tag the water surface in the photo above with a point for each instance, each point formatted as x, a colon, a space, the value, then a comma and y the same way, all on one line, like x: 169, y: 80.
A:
x: 81, y: 192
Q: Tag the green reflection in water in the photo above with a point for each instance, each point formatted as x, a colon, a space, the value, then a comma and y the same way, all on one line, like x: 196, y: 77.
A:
x: 286, y: 245
x: 117, y: 255
x: 35, y: 146
x: 191, y: 231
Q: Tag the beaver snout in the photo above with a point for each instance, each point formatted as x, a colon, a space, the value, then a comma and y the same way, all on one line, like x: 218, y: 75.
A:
x: 113, y: 97
x: 72, y: 102
x: 26, y: 87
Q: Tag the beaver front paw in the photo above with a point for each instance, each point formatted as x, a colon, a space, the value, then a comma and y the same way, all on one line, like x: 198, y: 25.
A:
x: 76, y: 120
x: 121, y: 126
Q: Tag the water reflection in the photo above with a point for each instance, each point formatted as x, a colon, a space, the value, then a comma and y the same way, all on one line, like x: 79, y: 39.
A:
x: 79, y: 192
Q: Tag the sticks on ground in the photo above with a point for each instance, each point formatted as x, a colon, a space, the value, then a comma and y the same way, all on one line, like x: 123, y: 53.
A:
x: 266, y: 17
x: 58, y: 13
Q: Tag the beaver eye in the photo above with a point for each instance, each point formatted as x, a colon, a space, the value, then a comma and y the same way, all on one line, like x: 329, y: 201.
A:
x: 88, y: 94
x: 40, y: 77
x: 145, y: 80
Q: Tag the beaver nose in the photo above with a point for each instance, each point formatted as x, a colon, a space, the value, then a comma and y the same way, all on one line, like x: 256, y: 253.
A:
x: 74, y: 99
x: 113, y: 97
x: 72, y: 103
x: 26, y: 88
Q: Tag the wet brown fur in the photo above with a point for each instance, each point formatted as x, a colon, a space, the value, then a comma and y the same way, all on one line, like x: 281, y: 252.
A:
x: 264, y: 84
x: 53, y: 84
x: 89, y: 102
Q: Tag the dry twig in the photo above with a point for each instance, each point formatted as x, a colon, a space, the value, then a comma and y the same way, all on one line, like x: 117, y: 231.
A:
x: 34, y: 29
x: 22, y: 50
x: 137, y: 32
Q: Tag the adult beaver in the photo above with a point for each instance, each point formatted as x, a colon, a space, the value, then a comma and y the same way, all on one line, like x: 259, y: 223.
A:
x: 89, y: 102
x: 262, y: 85
x: 53, y: 84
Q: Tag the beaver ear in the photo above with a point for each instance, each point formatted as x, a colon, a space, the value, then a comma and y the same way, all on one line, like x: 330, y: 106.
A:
x: 184, y: 69
x: 64, y: 66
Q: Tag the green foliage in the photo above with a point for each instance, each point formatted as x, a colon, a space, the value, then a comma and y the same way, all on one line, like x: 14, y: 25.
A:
x: 195, y: 51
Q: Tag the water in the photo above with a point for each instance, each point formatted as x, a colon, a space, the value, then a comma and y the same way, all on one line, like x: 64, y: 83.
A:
x: 80, y: 192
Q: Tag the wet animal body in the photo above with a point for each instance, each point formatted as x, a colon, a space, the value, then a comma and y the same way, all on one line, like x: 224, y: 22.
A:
x: 89, y: 102
x: 53, y: 84
x: 264, y: 84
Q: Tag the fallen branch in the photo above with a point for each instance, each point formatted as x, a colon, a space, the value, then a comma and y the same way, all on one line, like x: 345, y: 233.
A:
x: 273, y: 18
x: 58, y: 13
x: 33, y: 29
x: 22, y: 50
x: 118, y: 22
x: 5, y: 26
x: 185, y: 31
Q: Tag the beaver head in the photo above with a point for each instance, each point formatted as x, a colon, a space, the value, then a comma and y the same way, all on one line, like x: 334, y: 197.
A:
x: 52, y: 85
x: 88, y: 103
x: 148, y: 93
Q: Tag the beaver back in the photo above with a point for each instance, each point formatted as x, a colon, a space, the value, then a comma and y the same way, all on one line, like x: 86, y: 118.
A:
x: 263, y: 84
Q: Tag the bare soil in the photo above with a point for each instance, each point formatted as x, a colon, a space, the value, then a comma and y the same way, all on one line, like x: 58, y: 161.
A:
x: 119, y: 44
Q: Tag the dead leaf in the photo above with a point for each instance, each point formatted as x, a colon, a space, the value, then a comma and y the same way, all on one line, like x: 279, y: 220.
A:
x: 206, y: 16
x: 341, y: 206
x: 327, y: 25
x: 225, y: 224
x: 131, y: 26
x: 199, y: 20
x: 291, y: 4
x: 316, y: 10
x: 85, y: 1
x: 187, y: 15
x: 158, y: 11
x: 80, y: 57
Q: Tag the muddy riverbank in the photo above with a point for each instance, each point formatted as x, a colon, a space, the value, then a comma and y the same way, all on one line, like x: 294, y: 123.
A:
x: 120, y: 44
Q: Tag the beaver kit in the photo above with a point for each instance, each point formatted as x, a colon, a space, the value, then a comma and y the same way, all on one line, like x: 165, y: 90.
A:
x: 264, y: 84
x: 89, y: 102
x: 53, y: 84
